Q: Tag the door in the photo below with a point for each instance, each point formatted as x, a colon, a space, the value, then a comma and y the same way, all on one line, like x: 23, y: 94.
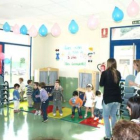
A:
x: 124, y: 56
x: 125, y: 47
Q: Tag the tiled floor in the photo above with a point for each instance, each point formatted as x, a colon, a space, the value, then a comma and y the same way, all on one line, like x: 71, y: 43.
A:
x: 27, y: 126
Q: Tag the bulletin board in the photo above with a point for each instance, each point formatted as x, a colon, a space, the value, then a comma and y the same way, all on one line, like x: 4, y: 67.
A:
x: 75, y: 55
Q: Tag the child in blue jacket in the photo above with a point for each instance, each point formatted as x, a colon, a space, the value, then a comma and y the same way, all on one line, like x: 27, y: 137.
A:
x: 16, y: 98
x: 36, y: 98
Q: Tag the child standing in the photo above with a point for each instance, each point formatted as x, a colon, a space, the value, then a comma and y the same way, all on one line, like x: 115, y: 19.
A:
x: 44, y: 100
x: 89, y: 98
x: 98, y: 108
x: 57, y: 95
x: 76, y: 102
x: 16, y: 98
x: 58, y: 81
x: 36, y: 99
x: 29, y: 93
x: 21, y: 89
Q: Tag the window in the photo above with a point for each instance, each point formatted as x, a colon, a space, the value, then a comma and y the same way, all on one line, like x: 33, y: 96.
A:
x: 126, y: 33
x: 125, y: 62
x: 10, y: 37
x: 19, y: 63
x: 125, y: 47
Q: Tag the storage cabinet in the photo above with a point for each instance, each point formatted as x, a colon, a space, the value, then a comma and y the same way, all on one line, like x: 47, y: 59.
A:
x: 48, y: 75
x: 88, y: 77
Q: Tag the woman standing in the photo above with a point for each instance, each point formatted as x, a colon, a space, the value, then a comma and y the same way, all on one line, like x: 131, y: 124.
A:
x: 112, y: 95
x: 136, y: 65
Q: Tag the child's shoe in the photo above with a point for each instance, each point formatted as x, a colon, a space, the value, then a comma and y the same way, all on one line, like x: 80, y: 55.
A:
x: 81, y: 117
x: 54, y: 114
x: 96, y: 118
x: 72, y: 116
x: 100, y: 121
x: 45, y: 120
x: 61, y: 114
x: 36, y: 113
x: 30, y: 106
x: 15, y: 111
x: 39, y: 113
x: 85, y: 116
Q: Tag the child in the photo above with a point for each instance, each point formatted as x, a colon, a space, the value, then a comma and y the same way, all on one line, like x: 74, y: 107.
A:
x: 44, y: 100
x: 57, y: 95
x: 98, y: 109
x: 126, y: 130
x: 16, y: 98
x: 21, y: 89
x: 89, y: 96
x: 58, y: 81
x: 29, y: 93
x: 133, y: 106
x: 76, y: 102
x: 36, y: 99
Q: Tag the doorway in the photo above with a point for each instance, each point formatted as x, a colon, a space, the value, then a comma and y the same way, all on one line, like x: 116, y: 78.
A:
x: 125, y: 47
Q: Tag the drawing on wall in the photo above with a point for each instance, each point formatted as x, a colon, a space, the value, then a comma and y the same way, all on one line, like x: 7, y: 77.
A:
x: 57, y: 54
x: 90, y: 54
x: 76, y: 55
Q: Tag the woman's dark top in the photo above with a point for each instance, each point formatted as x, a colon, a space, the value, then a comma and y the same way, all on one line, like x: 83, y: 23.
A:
x: 112, y: 91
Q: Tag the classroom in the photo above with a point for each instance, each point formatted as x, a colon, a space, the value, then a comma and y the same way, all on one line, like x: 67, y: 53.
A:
x: 69, y: 70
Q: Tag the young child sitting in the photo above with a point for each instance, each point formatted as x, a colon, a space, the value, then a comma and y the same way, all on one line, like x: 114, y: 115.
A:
x: 57, y: 95
x: 29, y: 93
x: 36, y: 99
x: 76, y: 103
x: 16, y: 98
x: 98, y: 108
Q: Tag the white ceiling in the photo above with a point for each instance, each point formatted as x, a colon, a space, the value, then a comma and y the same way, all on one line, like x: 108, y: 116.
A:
x: 61, y: 11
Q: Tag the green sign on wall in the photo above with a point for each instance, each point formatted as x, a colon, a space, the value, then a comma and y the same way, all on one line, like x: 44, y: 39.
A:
x: 136, y: 22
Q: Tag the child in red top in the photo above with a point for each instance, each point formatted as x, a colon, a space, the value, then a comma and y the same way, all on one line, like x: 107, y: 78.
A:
x: 76, y: 102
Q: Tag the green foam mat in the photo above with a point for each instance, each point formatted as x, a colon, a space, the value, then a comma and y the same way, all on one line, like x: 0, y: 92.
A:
x: 76, y: 119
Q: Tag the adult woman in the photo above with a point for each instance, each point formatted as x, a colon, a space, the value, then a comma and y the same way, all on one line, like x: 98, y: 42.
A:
x: 133, y: 106
x: 136, y: 65
x: 112, y: 95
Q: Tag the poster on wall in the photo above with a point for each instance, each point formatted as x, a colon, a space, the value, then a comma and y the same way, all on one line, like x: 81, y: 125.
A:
x: 76, y: 55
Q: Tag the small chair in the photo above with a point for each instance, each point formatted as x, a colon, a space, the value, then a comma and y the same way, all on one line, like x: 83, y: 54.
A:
x: 127, y: 93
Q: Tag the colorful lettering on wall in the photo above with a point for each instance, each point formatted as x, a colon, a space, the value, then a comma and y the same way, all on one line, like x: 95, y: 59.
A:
x: 76, y: 55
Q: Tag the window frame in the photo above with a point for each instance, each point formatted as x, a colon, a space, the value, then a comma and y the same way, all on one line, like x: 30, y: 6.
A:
x: 23, y: 45
x: 124, y: 42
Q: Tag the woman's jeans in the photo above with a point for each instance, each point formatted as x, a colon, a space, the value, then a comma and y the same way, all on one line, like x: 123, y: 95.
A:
x: 109, y: 111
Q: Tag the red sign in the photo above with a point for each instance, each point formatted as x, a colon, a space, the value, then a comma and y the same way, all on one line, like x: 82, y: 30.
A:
x: 104, y: 32
x: 0, y: 60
